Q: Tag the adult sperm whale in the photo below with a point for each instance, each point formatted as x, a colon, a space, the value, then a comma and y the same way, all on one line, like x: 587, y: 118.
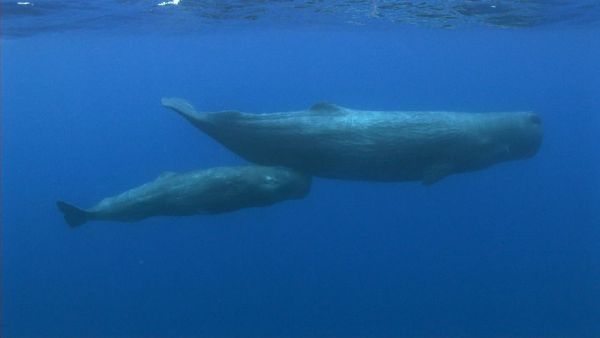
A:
x: 209, y: 191
x: 336, y: 142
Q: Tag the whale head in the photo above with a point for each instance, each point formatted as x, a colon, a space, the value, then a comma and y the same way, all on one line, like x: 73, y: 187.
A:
x: 523, y: 135
x: 508, y: 137
x: 285, y: 183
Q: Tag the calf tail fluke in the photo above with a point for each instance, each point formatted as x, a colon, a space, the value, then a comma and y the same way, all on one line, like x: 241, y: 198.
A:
x: 183, y: 108
x: 73, y: 215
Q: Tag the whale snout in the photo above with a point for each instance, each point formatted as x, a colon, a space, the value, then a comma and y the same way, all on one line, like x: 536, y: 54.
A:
x: 535, y: 119
x: 298, y: 186
x: 528, y: 139
x: 537, y: 134
x: 285, y: 183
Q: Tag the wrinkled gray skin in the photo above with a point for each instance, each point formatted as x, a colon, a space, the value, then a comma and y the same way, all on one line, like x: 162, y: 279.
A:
x: 336, y: 142
x: 209, y: 191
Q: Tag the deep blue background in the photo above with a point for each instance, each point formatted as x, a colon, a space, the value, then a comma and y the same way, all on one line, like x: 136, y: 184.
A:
x: 509, y: 251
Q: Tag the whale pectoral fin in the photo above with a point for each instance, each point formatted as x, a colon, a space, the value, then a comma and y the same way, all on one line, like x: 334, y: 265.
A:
x: 323, y: 107
x: 73, y: 215
x: 436, y: 173
x: 183, y: 108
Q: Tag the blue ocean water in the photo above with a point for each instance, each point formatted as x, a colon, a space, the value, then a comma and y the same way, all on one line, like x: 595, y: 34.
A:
x: 510, y: 251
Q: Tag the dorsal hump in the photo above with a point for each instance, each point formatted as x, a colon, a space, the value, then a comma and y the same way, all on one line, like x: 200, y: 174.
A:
x: 323, y: 107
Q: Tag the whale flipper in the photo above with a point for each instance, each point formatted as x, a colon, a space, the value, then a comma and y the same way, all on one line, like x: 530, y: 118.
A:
x: 73, y: 215
x: 183, y: 108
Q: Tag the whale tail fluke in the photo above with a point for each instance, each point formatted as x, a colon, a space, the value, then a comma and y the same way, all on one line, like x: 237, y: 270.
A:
x: 183, y: 108
x: 73, y: 215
